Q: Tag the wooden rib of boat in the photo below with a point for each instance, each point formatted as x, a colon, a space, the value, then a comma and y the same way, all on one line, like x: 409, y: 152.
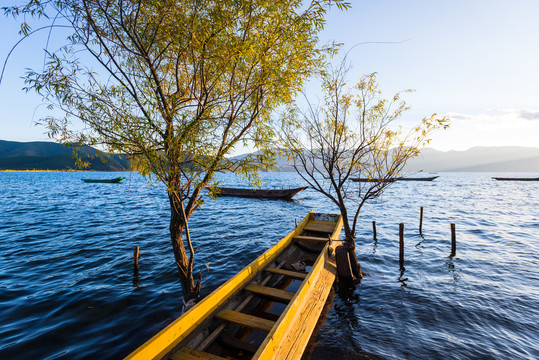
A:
x: 267, y: 311
x: 515, y: 179
x: 258, y: 193
x: 108, y: 181
x: 430, y: 178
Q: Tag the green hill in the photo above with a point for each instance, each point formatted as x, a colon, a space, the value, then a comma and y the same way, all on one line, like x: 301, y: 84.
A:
x: 42, y: 155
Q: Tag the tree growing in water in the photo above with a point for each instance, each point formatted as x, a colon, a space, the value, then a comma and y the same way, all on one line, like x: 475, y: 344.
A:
x: 352, y: 134
x: 181, y: 84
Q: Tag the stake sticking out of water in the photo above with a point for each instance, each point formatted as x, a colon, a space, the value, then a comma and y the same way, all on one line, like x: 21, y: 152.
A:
x: 453, y: 241
x: 136, y: 256
x: 421, y: 220
x: 401, y: 245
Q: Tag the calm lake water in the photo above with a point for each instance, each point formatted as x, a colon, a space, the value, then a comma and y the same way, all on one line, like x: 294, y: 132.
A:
x: 67, y: 288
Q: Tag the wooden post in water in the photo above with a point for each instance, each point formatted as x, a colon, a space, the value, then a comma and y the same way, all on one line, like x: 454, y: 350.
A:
x: 374, y: 230
x: 296, y: 220
x: 421, y: 220
x: 453, y: 241
x: 401, y: 244
x: 136, y: 256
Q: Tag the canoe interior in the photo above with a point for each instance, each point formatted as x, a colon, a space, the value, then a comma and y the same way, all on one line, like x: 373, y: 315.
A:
x: 234, y: 321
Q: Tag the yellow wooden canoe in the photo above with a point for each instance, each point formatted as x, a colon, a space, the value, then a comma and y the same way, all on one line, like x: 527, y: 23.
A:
x: 267, y: 311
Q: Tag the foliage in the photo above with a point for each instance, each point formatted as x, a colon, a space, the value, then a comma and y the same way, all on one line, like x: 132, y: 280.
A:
x: 353, y: 133
x: 176, y: 85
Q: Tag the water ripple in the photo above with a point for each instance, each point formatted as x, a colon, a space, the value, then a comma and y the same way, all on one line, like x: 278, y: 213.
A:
x: 68, y: 290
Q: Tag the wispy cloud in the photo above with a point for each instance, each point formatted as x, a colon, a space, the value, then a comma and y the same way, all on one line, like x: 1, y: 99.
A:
x: 527, y: 114
x: 457, y: 116
x: 498, y: 115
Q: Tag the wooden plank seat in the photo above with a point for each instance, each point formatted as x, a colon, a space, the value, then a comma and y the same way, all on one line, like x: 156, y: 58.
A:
x: 250, y: 321
x: 187, y: 353
x: 272, y: 293
x: 289, y: 273
x: 310, y: 238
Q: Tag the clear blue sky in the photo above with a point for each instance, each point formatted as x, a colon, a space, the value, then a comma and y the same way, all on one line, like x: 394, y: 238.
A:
x: 476, y: 61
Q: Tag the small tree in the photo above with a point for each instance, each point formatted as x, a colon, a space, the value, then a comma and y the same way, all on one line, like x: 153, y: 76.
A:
x: 181, y: 84
x: 352, y: 134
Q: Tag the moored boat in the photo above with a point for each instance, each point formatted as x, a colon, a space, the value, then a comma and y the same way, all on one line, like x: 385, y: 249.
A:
x: 258, y: 193
x: 430, y: 178
x: 515, y: 179
x: 108, y: 181
x: 267, y: 311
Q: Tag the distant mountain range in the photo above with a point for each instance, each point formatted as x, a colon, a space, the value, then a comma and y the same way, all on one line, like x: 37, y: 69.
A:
x: 42, y: 155
x: 52, y: 156
x: 477, y: 159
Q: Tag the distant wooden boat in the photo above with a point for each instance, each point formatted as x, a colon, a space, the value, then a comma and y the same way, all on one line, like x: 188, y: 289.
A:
x: 110, y: 181
x: 515, y: 179
x: 244, y: 317
x: 259, y: 193
x: 430, y: 178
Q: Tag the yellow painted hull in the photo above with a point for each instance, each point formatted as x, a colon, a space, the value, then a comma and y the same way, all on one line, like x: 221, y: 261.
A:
x: 187, y: 337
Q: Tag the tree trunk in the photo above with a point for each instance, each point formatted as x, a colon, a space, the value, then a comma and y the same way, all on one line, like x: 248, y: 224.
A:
x: 349, y: 233
x: 350, y: 243
x: 178, y: 223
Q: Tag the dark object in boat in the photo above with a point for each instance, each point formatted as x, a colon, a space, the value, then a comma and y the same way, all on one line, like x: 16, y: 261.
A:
x: 397, y: 179
x: 259, y: 193
x: 239, y: 320
x: 108, y: 181
x: 515, y: 179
